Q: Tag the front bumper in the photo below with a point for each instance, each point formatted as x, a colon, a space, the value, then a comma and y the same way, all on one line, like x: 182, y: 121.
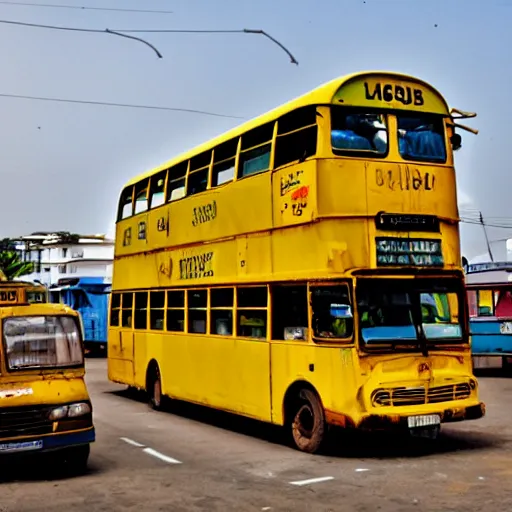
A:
x: 390, y: 421
x: 48, y: 443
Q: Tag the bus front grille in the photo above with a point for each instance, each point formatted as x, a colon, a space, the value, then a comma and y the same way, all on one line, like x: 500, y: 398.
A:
x: 420, y: 395
x: 25, y: 421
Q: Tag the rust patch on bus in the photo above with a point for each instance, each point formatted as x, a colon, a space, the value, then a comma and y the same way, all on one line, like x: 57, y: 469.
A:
x: 339, y: 419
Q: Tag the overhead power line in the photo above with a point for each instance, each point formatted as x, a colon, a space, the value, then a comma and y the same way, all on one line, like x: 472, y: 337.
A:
x: 124, y: 105
x: 192, y: 31
x: 126, y: 32
x: 85, y: 8
x: 74, y: 29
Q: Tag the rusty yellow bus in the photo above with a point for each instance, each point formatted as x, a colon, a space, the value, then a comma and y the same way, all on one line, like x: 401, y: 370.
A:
x: 304, y: 268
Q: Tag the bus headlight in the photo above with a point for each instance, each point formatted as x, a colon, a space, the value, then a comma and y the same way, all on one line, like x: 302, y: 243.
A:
x: 70, y: 411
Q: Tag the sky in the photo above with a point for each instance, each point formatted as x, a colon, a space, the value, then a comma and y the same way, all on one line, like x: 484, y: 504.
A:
x: 63, y: 165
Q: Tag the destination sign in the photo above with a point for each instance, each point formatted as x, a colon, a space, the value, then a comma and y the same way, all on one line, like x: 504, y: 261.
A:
x: 402, y: 222
x: 389, y: 91
x: 8, y: 297
x: 413, y: 252
x: 491, y: 265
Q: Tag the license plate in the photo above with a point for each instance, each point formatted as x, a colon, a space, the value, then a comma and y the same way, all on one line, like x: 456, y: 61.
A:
x: 423, y: 421
x: 20, y: 447
x: 506, y: 328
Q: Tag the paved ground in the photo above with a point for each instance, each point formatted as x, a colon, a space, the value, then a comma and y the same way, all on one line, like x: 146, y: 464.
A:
x: 194, y: 460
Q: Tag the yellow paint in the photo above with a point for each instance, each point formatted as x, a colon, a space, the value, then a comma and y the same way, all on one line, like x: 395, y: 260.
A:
x: 35, y: 386
x: 304, y: 221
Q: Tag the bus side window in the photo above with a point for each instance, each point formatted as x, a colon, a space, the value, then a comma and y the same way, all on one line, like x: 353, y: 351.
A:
x: 125, y: 204
x: 485, y: 303
x: 289, y: 312
x: 332, y: 311
x: 141, y: 310
x: 296, y: 136
x: 198, y: 173
x: 127, y: 310
x: 176, y: 311
x: 255, y: 150
x: 115, y: 309
x: 176, y: 181
x: 472, y: 303
x: 157, y: 311
x: 197, y: 311
x: 156, y: 189
x: 141, y: 197
x: 224, y: 158
x: 221, y: 311
x: 251, y: 314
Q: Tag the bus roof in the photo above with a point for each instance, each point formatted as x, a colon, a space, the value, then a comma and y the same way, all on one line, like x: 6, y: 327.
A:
x: 322, y: 95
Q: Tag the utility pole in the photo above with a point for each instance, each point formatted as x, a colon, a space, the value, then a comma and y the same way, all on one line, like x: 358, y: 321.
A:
x: 486, y: 237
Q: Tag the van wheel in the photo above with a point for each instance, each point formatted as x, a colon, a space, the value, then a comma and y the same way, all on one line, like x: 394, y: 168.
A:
x: 77, y: 458
x: 155, y: 390
x: 308, y: 423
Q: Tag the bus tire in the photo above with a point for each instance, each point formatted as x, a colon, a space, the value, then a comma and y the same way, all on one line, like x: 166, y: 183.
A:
x: 308, y: 428
x: 154, y: 388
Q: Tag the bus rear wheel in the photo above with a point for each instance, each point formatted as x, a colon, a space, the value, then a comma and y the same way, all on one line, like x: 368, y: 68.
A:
x: 308, y: 427
x: 155, y: 389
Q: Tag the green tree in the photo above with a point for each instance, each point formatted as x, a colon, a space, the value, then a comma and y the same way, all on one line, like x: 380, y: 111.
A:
x: 13, y: 266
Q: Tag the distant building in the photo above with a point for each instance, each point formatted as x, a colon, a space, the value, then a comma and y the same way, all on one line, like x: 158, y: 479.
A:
x: 66, y: 255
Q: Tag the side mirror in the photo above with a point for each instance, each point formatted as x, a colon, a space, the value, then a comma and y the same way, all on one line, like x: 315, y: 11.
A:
x: 456, y: 141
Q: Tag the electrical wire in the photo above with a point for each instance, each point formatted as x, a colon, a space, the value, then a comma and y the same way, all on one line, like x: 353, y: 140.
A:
x: 75, y: 29
x: 214, y: 31
x: 123, y: 105
x: 126, y: 32
x: 85, y: 8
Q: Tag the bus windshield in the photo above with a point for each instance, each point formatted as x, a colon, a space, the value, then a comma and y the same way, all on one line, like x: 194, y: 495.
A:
x: 42, y: 342
x: 409, y: 312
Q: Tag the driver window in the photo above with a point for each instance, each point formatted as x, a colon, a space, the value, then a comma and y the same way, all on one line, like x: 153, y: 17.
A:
x: 332, y: 312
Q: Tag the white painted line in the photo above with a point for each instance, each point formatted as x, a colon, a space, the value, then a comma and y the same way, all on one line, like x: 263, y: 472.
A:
x: 132, y: 442
x: 361, y: 470
x: 161, y: 456
x: 313, y: 480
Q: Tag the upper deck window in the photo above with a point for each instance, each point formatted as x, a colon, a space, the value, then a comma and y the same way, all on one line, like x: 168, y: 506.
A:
x: 224, y: 157
x: 358, y: 131
x: 156, y: 190
x: 125, y: 204
x: 255, y: 150
x: 198, y: 173
x: 296, y: 136
x: 141, y: 197
x: 176, y: 181
x: 421, y: 138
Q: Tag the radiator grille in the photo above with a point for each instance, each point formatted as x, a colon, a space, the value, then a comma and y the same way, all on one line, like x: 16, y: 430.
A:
x: 420, y: 395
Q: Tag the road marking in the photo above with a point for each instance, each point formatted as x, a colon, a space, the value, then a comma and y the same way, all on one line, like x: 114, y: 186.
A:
x: 361, y: 470
x: 313, y: 480
x: 132, y: 442
x: 161, y: 456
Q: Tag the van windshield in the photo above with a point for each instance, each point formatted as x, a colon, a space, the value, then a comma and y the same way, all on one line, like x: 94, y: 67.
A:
x: 42, y: 342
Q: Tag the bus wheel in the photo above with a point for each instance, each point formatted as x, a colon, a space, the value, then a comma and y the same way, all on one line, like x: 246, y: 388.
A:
x: 155, y: 389
x: 308, y: 424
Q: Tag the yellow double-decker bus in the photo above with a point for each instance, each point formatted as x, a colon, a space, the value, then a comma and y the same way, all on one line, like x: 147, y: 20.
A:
x: 304, y: 268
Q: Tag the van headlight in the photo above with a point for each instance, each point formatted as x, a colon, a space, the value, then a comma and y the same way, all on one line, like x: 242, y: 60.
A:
x: 70, y: 411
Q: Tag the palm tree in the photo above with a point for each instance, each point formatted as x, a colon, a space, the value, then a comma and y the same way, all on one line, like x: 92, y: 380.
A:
x: 12, y: 266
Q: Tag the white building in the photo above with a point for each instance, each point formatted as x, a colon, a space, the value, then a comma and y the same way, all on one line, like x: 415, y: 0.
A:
x: 64, y: 255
